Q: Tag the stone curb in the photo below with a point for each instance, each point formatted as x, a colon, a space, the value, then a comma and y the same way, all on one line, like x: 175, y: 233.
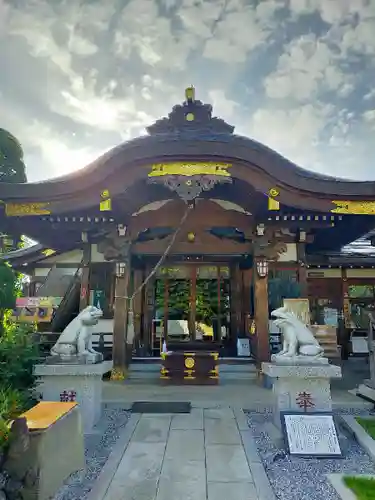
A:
x: 261, y: 482
x: 105, y: 477
x: 360, y: 434
x: 337, y: 482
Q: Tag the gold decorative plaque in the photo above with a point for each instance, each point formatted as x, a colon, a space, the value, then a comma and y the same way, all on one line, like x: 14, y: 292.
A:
x: 23, y: 209
x: 354, y: 207
x: 189, y: 362
x: 190, y: 169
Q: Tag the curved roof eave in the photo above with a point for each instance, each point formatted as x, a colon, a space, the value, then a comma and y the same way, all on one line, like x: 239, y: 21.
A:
x: 202, y: 136
x: 24, y: 253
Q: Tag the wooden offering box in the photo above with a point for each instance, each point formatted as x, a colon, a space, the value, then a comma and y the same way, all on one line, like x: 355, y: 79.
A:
x: 190, y: 368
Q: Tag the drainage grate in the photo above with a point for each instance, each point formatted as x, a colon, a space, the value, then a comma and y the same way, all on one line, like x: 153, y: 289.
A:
x: 161, y: 407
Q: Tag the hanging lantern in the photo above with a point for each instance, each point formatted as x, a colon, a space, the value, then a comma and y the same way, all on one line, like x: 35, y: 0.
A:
x: 262, y: 268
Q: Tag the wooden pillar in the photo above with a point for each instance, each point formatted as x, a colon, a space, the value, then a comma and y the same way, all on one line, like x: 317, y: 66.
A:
x: 192, y: 302
x: 166, y: 309
x: 261, y: 315
x: 236, y: 303
x: 84, y: 297
x: 137, y: 306
x: 246, y: 299
x: 302, y: 270
x: 345, y: 323
x: 148, y: 312
x: 217, y: 338
x: 120, y: 321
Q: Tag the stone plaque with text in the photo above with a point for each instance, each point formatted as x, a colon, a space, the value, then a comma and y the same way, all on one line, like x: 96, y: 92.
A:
x: 312, y: 434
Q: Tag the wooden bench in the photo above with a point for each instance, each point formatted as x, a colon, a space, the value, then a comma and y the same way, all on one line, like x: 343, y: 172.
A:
x: 56, y: 448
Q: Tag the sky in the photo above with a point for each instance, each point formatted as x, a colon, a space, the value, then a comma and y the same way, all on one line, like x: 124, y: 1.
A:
x: 80, y: 77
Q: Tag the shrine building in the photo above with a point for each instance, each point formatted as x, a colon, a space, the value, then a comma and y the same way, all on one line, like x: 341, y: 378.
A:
x: 195, y: 233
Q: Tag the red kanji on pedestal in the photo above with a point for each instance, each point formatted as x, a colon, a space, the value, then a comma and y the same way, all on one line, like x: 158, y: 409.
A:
x: 304, y: 400
x: 68, y: 396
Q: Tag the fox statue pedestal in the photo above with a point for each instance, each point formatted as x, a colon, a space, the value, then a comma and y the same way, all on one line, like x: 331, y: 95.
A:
x: 301, y: 387
x: 300, y: 374
x: 74, y: 370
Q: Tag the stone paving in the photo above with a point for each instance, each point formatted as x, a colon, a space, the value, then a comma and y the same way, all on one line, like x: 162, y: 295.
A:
x: 208, y: 454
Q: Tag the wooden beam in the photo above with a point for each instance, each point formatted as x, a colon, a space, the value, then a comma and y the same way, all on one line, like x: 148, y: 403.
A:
x: 120, y: 322
x: 261, y: 316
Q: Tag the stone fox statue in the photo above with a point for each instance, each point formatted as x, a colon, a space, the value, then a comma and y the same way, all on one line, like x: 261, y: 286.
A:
x: 76, y: 339
x: 298, y: 340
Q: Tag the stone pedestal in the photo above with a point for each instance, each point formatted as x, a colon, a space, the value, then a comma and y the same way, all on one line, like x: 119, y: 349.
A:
x: 79, y: 383
x: 301, y: 387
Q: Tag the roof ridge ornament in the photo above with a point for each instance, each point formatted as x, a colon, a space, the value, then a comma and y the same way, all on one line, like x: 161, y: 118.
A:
x: 190, y: 117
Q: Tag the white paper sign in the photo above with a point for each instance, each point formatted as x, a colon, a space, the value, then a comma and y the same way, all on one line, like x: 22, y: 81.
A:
x: 243, y: 347
x: 312, y: 435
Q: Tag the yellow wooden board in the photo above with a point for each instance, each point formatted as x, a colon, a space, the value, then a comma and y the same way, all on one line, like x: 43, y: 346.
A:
x: 46, y: 413
x: 299, y: 307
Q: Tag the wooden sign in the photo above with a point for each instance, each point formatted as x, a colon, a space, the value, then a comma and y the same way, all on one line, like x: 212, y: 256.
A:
x: 300, y: 308
x: 23, y: 209
x: 312, y: 434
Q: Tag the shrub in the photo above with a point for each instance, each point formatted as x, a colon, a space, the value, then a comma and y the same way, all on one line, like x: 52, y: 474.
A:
x: 18, y: 355
x: 12, y: 403
x: 8, y: 292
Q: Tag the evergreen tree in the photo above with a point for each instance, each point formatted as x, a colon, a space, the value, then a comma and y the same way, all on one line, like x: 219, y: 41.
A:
x: 12, y: 166
x: 12, y: 170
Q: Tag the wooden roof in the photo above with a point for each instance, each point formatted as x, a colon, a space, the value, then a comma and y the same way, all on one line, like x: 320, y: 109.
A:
x: 204, y: 138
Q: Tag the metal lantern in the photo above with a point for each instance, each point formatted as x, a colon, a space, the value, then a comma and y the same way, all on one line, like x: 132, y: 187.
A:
x: 262, y: 268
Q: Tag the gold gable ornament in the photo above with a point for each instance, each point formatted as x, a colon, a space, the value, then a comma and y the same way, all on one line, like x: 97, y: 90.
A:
x: 189, y: 180
x: 354, y: 207
x: 106, y: 202
x: 272, y: 203
x: 190, y: 169
x: 25, y: 209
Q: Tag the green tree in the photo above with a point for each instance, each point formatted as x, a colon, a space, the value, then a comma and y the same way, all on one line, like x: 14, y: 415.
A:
x: 12, y: 170
x: 12, y: 166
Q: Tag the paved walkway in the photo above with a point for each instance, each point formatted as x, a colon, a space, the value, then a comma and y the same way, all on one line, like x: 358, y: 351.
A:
x: 207, y: 454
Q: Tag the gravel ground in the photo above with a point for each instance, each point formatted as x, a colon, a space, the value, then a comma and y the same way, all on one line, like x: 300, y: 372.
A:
x: 98, y: 446
x: 295, y: 478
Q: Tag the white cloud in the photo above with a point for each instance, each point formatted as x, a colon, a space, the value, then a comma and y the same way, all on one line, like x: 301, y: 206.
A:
x: 4, y: 10
x: 286, y: 130
x: 223, y: 106
x: 333, y: 11
x: 110, y: 69
x: 236, y: 34
x: 307, y: 66
x: 369, y: 115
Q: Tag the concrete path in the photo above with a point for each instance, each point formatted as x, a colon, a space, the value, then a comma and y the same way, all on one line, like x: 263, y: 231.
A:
x: 208, y: 454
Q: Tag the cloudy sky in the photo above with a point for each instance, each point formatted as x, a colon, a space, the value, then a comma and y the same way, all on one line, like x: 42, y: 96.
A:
x: 78, y: 77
